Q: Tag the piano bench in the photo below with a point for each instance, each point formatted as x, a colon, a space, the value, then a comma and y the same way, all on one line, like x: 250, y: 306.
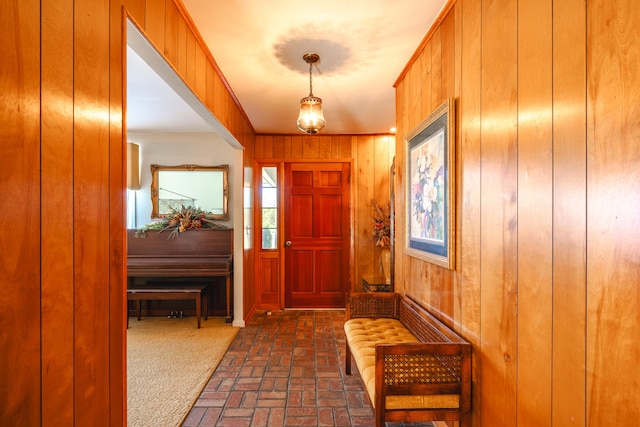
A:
x: 161, y: 293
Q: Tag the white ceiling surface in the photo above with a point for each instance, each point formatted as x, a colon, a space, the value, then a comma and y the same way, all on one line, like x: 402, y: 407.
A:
x: 258, y: 45
x: 154, y: 106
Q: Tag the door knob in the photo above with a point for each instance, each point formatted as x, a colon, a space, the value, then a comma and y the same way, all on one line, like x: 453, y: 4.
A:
x: 288, y: 243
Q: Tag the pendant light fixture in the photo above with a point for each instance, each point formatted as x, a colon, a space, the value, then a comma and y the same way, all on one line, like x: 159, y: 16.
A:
x: 311, y: 120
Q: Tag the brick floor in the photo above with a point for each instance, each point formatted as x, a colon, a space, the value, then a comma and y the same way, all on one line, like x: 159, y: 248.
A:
x: 286, y: 369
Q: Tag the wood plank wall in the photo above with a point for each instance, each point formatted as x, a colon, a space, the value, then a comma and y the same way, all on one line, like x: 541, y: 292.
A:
x: 372, y: 156
x: 548, y: 191
x: 62, y: 169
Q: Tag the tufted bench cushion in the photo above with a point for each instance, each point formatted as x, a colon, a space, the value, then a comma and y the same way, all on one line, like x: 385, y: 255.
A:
x: 363, y: 334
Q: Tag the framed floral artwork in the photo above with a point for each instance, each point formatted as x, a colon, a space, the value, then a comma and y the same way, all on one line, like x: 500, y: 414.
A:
x: 430, y: 180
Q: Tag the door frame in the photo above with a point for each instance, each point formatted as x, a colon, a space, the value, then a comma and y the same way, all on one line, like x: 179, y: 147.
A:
x: 263, y: 284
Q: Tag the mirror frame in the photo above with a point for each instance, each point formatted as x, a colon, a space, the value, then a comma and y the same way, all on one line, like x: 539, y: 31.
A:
x: 225, y: 187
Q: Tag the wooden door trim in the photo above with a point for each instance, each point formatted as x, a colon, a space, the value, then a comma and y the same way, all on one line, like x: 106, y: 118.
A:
x: 257, y: 239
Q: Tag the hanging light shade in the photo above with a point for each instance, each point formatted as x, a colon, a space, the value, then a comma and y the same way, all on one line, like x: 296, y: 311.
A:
x: 311, y: 120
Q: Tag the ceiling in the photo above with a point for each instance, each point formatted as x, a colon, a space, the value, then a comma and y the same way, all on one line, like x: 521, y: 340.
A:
x: 363, y: 47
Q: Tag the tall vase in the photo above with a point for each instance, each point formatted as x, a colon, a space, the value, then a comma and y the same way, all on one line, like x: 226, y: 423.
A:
x: 385, y: 263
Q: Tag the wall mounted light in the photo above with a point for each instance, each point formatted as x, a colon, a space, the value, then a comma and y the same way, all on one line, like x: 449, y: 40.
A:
x: 311, y: 120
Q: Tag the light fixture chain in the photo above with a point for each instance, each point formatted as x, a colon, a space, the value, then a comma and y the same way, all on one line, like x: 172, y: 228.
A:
x: 310, y: 80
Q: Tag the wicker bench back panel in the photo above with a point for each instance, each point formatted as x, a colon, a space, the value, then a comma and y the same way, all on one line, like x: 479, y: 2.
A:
x: 421, y: 368
x: 424, y: 331
x: 382, y: 307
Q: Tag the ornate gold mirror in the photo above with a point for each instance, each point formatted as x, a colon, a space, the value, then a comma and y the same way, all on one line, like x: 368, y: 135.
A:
x: 203, y: 187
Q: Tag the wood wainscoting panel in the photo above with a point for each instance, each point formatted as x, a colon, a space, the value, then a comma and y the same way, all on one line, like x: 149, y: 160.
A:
x: 535, y: 212
x: 569, y: 213
x: 499, y: 214
x: 91, y: 111
x: 20, y: 276
x: 57, y: 288
x: 466, y: 316
x: 155, y: 22
x: 613, y: 213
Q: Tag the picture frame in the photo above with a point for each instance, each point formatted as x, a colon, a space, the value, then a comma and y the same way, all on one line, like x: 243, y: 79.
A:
x: 430, y: 188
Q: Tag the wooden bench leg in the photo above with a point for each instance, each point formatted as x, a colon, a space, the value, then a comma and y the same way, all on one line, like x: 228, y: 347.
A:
x: 139, y: 308
x: 347, y: 359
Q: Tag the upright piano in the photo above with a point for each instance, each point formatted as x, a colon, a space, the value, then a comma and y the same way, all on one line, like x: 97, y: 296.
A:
x: 193, y: 253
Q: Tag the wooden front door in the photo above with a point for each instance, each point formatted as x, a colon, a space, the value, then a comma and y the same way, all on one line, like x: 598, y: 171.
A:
x: 316, y: 234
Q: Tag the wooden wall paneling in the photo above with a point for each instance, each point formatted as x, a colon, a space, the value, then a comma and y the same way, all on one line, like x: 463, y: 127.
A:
x: 259, y: 147
x: 613, y: 204
x: 569, y: 213
x: 278, y: 146
x: 415, y: 76
x: 57, y: 200
x: 267, y: 147
x: 310, y: 146
x: 228, y: 105
x: 418, y: 284
x: 324, y: 146
x: 182, y: 48
x: 233, y: 114
x: 400, y: 259
x: 20, y: 176
x: 453, y: 41
x: 200, y: 78
x: 498, y: 214
x: 171, y: 29
x: 287, y: 147
x: 335, y: 147
x: 437, y: 294
x: 346, y: 146
x: 436, y: 69
x: 469, y: 105
x: 210, y: 99
x: 135, y: 8
x: 296, y: 146
x: 222, y: 102
x: 219, y: 105
x: 426, y: 91
x: 443, y: 77
x: 191, y: 65
x: 365, y: 188
x: 381, y: 165
x: 91, y: 204
x: 117, y: 214
x: 535, y: 211
x: 155, y: 22
x: 448, y: 54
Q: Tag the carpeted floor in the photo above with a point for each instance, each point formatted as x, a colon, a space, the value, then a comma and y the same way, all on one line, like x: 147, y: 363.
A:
x: 169, y: 361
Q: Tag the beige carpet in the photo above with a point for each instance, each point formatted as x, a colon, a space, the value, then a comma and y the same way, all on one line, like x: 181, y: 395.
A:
x: 169, y: 361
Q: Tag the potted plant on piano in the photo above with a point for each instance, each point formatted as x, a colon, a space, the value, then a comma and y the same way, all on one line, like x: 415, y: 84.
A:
x: 179, y: 221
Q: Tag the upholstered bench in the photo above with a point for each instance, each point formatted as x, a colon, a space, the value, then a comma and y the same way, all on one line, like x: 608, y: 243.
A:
x: 414, y: 367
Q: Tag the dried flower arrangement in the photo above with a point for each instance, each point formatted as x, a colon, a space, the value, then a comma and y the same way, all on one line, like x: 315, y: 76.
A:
x: 179, y: 221
x: 381, y: 230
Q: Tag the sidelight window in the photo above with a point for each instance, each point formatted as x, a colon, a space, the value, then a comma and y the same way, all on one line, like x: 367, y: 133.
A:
x: 269, y: 207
